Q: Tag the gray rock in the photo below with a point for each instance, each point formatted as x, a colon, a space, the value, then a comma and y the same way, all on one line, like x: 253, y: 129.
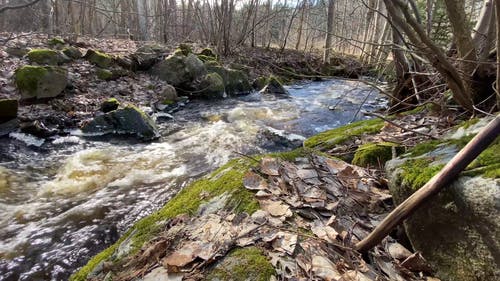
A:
x: 40, y: 81
x: 129, y: 120
x: 168, y: 94
x: 179, y: 70
x: 458, y: 230
x: 274, y: 87
x: 17, y: 51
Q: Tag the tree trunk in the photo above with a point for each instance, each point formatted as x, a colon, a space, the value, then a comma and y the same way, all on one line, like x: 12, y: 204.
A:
x: 329, y: 31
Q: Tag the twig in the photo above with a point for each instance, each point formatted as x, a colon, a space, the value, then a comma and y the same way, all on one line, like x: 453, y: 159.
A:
x: 399, y: 126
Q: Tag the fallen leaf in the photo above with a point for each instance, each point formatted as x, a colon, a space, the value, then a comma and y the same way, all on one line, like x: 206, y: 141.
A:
x: 325, y: 269
x: 269, y: 166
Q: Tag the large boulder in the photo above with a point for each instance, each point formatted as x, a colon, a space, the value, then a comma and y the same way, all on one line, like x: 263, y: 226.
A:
x: 180, y: 70
x: 129, y: 120
x: 458, y: 230
x: 212, y: 85
x: 8, y: 109
x: 147, y: 56
x: 47, y: 56
x: 72, y: 52
x: 40, y: 81
x: 235, y: 81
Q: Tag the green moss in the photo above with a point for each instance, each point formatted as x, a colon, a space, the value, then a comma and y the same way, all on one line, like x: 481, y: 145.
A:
x: 228, y: 178
x: 243, y: 264
x: 110, y: 105
x: 204, y: 58
x: 27, y: 77
x: 45, y: 56
x: 329, y: 139
x: 100, y: 59
x: 56, y: 41
x: 374, y: 154
x: 72, y: 52
x: 467, y: 123
x: 417, y: 172
x: 487, y: 164
x: 104, y: 74
x: 424, y: 147
x: 183, y: 49
x: 207, y: 52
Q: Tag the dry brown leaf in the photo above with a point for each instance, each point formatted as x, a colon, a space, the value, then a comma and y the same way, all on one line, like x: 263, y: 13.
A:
x: 398, y: 251
x: 270, y: 166
x: 253, y: 181
x: 417, y: 263
x: 325, y: 269
x: 275, y: 208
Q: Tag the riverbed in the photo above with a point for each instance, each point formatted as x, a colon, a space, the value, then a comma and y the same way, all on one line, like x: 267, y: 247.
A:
x: 64, y: 200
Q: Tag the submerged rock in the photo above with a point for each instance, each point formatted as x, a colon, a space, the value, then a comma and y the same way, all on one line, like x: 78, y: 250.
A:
x: 40, y: 81
x: 129, y: 120
x: 458, y: 230
x: 8, y: 109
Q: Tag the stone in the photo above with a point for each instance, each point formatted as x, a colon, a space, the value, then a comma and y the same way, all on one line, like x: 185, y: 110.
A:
x: 212, y: 85
x: 110, y: 105
x: 110, y: 74
x: 37, y: 129
x: 169, y: 95
x: 274, y: 87
x: 40, y: 81
x: 47, y: 56
x: 235, y: 81
x: 72, y: 52
x: 17, y: 51
x: 259, y: 83
x: 100, y: 59
x: 8, y: 109
x: 179, y: 70
x: 129, y: 120
x: 458, y: 230
x: 56, y: 42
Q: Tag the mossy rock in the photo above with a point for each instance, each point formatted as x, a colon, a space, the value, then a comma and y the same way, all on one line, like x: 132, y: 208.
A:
x: 456, y: 228
x: 206, y: 58
x: 260, y: 82
x: 180, y: 71
x: 56, y: 42
x: 110, y: 74
x: 375, y: 154
x: 102, y: 60
x: 47, y: 56
x: 184, y: 49
x: 226, y: 179
x: 152, y: 48
x: 72, y: 52
x: 274, y: 87
x: 129, y: 120
x: 329, y: 139
x: 17, y: 51
x: 212, y: 85
x: 208, y: 53
x: 235, y: 81
x: 248, y: 264
x: 110, y: 105
x: 8, y: 109
x: 40, y: 81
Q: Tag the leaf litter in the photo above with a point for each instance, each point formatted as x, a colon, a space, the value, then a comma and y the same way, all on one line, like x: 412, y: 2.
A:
x: 313, y: 210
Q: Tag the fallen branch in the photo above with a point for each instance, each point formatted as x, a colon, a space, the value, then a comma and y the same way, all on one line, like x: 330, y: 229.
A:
x: 399, y: 126
x: 449, y: 173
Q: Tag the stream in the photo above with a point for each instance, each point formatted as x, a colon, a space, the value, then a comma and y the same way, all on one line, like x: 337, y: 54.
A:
x: 63, y: 201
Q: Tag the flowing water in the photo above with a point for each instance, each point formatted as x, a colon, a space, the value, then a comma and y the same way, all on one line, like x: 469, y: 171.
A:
x: 63, y: 201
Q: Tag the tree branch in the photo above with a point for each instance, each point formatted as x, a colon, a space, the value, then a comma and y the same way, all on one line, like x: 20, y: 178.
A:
x: 20, y: 6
